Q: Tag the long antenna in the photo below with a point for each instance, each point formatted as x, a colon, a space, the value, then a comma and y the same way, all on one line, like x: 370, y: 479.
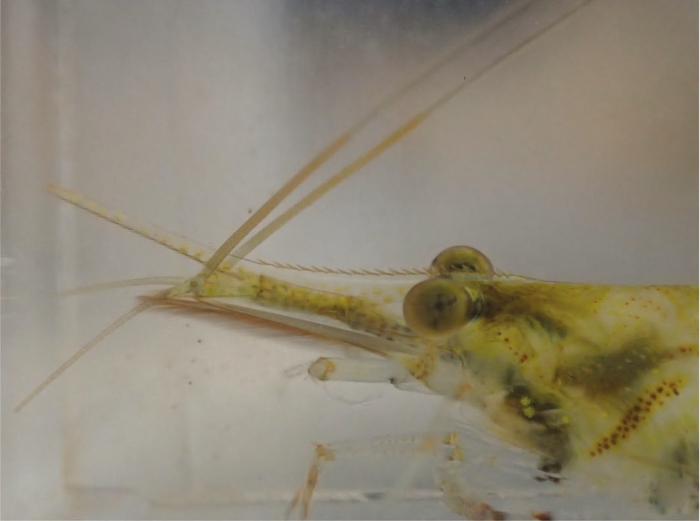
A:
x: 498, y: 23
x: 193, y: 284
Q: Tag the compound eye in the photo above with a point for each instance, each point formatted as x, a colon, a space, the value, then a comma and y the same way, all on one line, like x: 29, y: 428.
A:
x: 437, y: 307
x: 461, y: 259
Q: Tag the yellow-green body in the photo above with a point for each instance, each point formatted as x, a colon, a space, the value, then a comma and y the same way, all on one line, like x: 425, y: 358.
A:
x: 599, y: 382
x: 592, y: 378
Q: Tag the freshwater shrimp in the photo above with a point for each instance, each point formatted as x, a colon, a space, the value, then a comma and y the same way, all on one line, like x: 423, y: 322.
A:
x: 79, y: 474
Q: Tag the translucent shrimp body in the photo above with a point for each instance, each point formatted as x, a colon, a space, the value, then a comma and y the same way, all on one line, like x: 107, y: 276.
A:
x: 595, y: 379
x: 598, y: 382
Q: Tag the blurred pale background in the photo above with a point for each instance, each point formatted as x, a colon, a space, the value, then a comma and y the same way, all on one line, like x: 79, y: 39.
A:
x: 574, y: 160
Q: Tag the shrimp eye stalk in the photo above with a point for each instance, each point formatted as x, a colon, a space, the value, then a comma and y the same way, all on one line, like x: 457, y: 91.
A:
x: 462, y: 259
x: 438, y: 307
